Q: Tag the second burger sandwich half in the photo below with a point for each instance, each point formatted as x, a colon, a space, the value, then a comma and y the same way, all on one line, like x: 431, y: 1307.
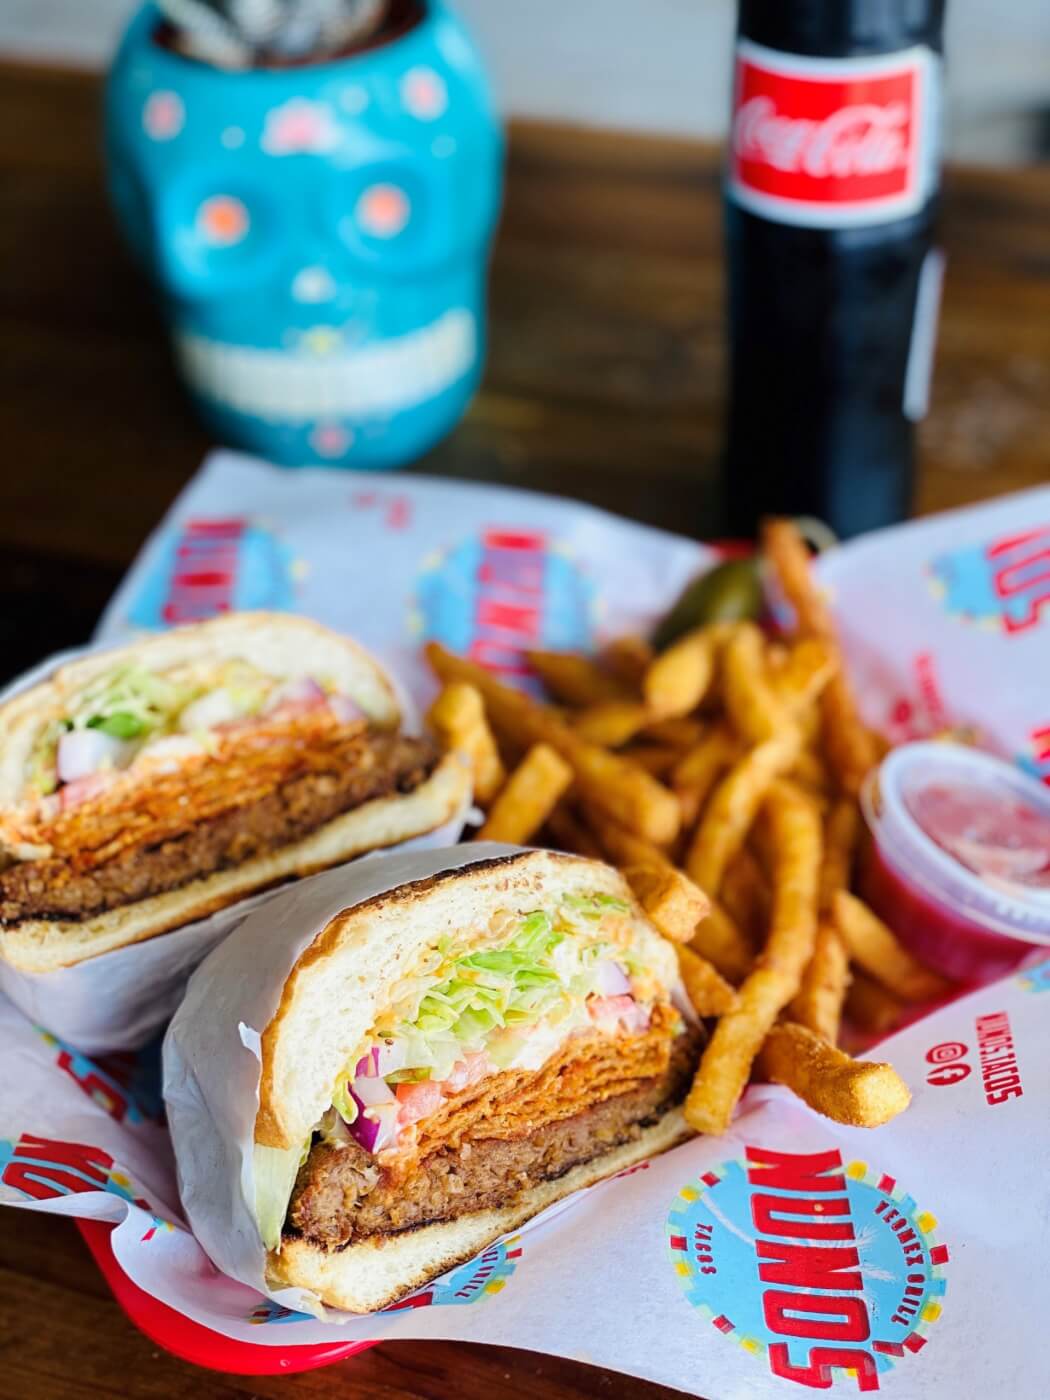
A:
x: 451, y: 1057
x: 146, y: 787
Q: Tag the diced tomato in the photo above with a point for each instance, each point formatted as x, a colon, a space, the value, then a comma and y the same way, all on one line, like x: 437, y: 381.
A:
x: 467, y: 1071
x: 83, y: 790
x: 610, y: 1008
x: 418, y: 1101
x: 622, y: 1011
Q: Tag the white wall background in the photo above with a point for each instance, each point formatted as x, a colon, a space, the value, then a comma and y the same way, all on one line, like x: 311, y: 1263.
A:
x: 656, y: 65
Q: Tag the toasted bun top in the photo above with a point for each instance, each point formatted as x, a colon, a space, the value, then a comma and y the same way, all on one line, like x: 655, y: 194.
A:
x: 276, y: 643
x: 343, y: 980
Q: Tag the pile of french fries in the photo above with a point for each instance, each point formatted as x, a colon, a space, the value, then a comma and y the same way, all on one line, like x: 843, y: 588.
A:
x: 722, y: 777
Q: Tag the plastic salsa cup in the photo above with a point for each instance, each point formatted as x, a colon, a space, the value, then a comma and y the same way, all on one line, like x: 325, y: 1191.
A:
x: 959, y: 866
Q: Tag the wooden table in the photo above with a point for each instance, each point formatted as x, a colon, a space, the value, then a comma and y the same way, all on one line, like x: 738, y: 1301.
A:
x: 604, y: 382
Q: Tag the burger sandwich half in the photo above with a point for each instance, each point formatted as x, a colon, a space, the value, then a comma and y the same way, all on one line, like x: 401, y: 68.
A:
x: 451, y: 1057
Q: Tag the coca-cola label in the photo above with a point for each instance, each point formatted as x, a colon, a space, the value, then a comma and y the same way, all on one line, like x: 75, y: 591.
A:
x: 831, y: 142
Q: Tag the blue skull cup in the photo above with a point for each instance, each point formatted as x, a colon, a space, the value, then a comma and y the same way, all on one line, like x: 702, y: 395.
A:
x: 319, y: 233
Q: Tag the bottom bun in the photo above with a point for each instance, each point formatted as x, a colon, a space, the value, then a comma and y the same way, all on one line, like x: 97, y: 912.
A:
x: 43, y: 945
x: 382, y: 1269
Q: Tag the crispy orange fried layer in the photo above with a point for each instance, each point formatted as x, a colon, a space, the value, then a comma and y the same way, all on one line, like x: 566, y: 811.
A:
x: 159, y: 801
x: 587, y: 1070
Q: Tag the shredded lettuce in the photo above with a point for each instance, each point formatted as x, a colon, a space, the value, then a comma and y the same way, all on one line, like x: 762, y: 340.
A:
x: 247, y: 686
x: 593, y: 906
x: 493, y: 998
x: 342, y: 1101
x: 136, y: 705
x: 275, y: 1170
x: 130, y: 702
x: 43, y: 775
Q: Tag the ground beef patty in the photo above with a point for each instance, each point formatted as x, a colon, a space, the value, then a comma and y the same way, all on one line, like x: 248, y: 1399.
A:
x: 340, y: 1195
x: 53, y: 889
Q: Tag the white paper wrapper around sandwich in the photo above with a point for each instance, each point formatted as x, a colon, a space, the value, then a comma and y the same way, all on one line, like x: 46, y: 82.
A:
x: 118, y: 1000
x: 212, y: 1059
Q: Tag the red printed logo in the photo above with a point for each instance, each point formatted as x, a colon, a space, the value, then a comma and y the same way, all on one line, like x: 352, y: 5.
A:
x: 831, y: 142
x: 949, y: 1064
x: 825, y: 1271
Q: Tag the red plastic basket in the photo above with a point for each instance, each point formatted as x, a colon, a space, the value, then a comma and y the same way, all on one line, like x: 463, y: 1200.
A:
x: 190, y: 1340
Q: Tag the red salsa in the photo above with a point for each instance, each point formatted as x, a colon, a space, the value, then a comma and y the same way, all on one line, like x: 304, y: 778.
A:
x: 1001, y: 839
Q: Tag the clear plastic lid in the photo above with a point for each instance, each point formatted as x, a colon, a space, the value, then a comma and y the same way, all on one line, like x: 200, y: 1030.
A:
x: 970, y: 830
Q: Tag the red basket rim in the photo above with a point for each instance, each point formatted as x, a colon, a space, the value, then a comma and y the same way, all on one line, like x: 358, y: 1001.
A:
x: 192, y: 1341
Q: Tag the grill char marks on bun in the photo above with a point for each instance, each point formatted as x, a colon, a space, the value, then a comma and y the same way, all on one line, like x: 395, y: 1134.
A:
x: 145, y: 787
x: 451, y: 1057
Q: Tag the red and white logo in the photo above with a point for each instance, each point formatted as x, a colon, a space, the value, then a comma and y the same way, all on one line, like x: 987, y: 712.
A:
x: 829, y: 142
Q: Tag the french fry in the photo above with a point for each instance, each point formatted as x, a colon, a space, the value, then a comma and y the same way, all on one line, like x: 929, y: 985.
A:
x: 570, y: 834
x: 810, y: 725
x: 690, y: 801
x: 760, y: 844
x: 679, y: 678
x: 810, y: 664
x: 819, y: 800
x: 656, y: 759
x: 704, y: 764
x: 528, y: 797
x: 733, y: 806
x: 825, y: 982
x: 669, y: 897
x: 681, y: 734
x: 848, y: 743
x: 811, y: 772
x: 457, y: 716
x: 718, y: 939
x: 754, y: 709
x: 775, y: 979
x: 875, y: 948
x: 870, y: 1007
x: 708, y: 993
x: 626, y: 792
x: 860, y: 1093
x: 841, y: 834
x: 746, y: 895
x: 620, y: 789
x: 623, y: 847
x: 610, y: 723
x: 881, y: 745
x: 627, y: 658
x: 786, y: 550
x: 575, y: 679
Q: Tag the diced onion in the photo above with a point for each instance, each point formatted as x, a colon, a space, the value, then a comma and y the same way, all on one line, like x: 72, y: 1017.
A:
x: 345, y: 710
x: 376, y: 1129
x: 610, y: 980
x: 217, y: 707
x: 370, y: 1092
x: 389, y: 1057
x: 82, y: 752
x: 303, y: 693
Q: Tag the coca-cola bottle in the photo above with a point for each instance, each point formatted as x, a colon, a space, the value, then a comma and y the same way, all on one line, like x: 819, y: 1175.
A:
x: 834, y: 283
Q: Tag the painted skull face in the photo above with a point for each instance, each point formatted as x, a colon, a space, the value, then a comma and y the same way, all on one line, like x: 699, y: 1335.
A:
x: 320, y: 235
